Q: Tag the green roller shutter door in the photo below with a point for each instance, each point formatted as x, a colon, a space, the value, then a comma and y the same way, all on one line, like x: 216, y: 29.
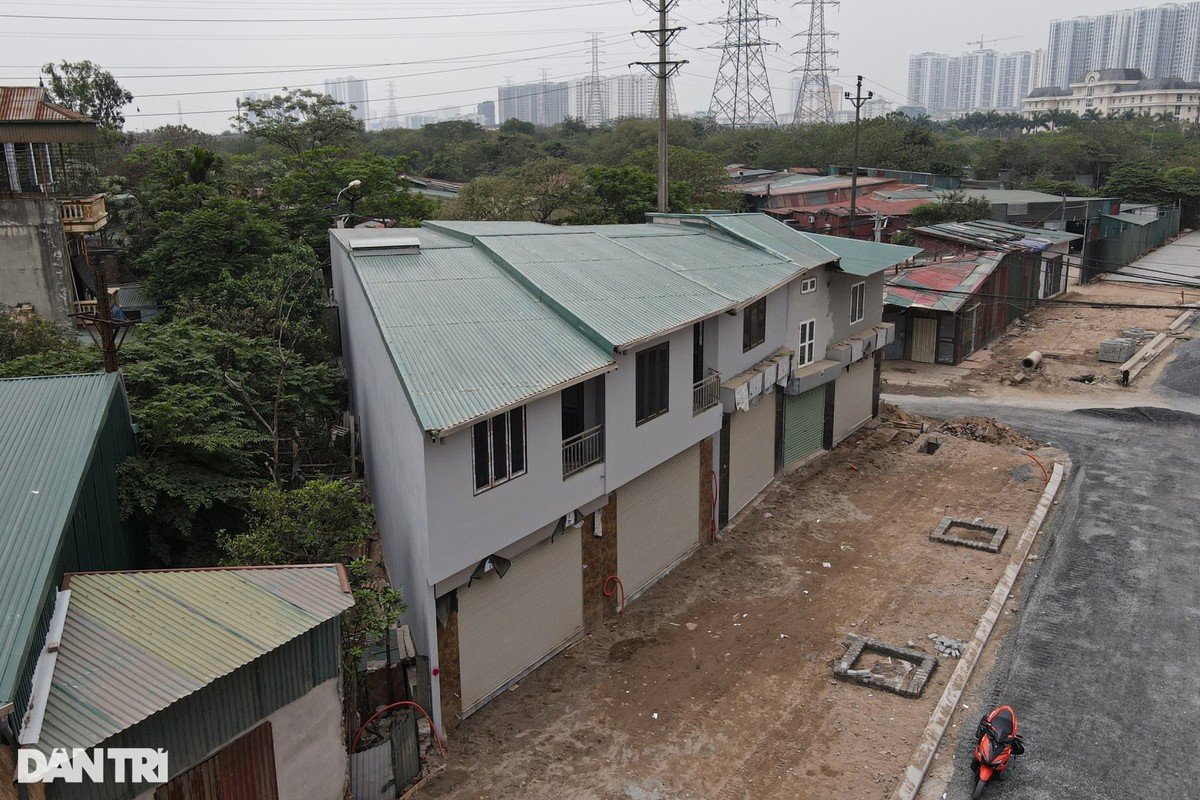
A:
x: 804, y: 424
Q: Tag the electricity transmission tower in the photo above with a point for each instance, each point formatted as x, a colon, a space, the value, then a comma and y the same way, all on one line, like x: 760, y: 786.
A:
x: 741, y: 97
x: 593, y: 112
x: 814, y: 101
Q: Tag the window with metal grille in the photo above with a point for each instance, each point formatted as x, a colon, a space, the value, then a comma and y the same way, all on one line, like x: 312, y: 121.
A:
x: 652, y: 381
x: 499, y: 449
x: 805, y: 353
x: 858, y: 299
x: 754, y: 324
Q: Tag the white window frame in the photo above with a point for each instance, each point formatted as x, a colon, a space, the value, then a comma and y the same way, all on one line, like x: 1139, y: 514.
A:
x: 858, y: 302
x: 808, y: 285
x: 806, y: 349
x: 493, y: 481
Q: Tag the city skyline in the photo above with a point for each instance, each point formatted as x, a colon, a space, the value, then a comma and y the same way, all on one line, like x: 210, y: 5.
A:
x: 191, y: 63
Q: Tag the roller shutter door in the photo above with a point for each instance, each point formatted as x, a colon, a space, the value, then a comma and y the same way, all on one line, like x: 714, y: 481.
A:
x: 658, y: 519
x: 751, y: 452
x: 803, y: 424
x: 508, y: 624
x: 852, y: 398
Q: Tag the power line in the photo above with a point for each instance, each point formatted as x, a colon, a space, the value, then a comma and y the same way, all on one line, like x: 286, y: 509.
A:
x: 322, y: 20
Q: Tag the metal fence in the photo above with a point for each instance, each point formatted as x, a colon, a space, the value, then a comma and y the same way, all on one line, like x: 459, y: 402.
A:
x: 1122, y: 243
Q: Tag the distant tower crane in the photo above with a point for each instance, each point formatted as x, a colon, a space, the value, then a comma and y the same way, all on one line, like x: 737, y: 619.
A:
x: 981, y: 41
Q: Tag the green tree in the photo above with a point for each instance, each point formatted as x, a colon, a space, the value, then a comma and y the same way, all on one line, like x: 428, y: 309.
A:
x: 702, y: 172
x: 952, y: 206
x: 305, y: 198
x: 300, y: 120
x: 219, y: 242
x: 86, y: 88
x: 221, y: 414
x: 1139, y: 182
x: 23, y: 336
x: 321, y: 522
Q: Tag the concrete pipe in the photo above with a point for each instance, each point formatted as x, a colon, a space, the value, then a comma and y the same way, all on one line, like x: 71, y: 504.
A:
x: 1032, y: 361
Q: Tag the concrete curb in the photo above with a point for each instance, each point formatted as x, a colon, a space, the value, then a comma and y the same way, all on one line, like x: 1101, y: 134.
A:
x: 914, y: 773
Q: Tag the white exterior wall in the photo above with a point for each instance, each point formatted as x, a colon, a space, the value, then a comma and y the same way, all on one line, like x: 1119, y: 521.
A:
x: 465, y: 528
x: 814, y: 305
x: 839, y: 304
x: 393, y: 447
x: 730, y: 360
x: 634, y: 449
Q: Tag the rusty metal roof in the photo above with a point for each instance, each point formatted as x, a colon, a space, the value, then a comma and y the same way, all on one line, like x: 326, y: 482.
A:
x: 29, y: 104
x: 944, y: 286
x: 134, y: 643
x: 27, y: 116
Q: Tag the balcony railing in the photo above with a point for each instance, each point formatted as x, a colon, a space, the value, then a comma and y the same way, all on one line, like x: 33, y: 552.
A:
x: 706, y: 393
x: 582, y: 450
x: 83, y: 214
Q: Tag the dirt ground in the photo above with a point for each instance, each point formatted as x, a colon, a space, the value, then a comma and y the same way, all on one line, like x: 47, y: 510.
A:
x: 717, y: 683
x: 1069, y: 338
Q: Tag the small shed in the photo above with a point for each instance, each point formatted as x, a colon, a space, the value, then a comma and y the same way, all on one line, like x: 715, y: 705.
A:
x: 234, y: 672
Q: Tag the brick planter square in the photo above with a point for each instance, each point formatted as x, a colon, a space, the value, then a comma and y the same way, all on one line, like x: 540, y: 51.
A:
x: 909, y: 682
x: 991, y: 542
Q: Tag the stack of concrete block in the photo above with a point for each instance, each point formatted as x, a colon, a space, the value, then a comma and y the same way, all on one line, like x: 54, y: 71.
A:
x: 1118, y: 350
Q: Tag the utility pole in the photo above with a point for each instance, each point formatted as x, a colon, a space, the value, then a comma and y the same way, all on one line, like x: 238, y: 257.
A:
x: 858, y: 100
x: 662, y: 70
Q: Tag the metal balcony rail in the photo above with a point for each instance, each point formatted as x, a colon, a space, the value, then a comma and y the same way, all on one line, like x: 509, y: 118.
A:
x: 706, y: 393
x: 582, y: 450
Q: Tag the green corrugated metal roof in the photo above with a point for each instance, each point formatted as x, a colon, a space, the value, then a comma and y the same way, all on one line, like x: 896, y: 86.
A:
x: 48, y: 431
x: 1134, y: 219
x: 136, y: 642
x: 864, y: 258
x: 775, y: 236
x: 528, y: 308
x: 466, y: 339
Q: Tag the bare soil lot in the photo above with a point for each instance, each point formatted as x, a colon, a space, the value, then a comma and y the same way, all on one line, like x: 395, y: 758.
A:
x: 1069, y: 338
x: 717, y: 683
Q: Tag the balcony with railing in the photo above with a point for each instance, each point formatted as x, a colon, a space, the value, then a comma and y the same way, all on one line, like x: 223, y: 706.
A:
x: 706, y: 392
x: 583, y: 450
x: 83, y: 214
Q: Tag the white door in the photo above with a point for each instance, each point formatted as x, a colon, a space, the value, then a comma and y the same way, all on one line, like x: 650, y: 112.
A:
x: 658, y: 519
x: 506, y: 625
x: 853, y: 398
x: 751, y: 452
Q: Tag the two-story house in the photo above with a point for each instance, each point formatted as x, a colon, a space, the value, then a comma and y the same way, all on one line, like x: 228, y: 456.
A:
x: 553, y: 417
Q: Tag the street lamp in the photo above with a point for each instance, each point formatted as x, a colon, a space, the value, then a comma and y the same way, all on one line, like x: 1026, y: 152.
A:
x: 341, y: 220
x: 1153, y: 128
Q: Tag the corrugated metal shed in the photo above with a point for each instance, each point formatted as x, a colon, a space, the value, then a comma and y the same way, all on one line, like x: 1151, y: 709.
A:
x: 992, y: 234
x: 862, y: 258
x: 1134, y: 219
x: 136, y: 642
x: 48, y: 432
x: 26, y: 116
x: 945, y: 286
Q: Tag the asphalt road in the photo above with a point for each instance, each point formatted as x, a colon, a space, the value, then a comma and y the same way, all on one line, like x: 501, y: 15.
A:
x: 1103, y: 668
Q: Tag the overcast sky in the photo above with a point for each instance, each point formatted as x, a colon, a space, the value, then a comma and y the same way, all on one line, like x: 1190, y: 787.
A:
x: 191, y: 59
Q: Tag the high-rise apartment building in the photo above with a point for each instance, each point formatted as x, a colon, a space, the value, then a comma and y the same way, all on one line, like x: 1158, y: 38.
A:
x: 975, y: 80
x: 1162, y: 41
x: 546, y: 103
x: 352, y: 92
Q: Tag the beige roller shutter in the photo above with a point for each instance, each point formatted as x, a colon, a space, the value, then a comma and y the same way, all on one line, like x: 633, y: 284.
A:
x: 751, y: 452
x: 506, y: 625
x: 852, y: 398
x: 658, y: 519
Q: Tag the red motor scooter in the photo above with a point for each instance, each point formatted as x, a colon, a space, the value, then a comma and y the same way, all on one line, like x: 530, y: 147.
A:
x: 998, y: 743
